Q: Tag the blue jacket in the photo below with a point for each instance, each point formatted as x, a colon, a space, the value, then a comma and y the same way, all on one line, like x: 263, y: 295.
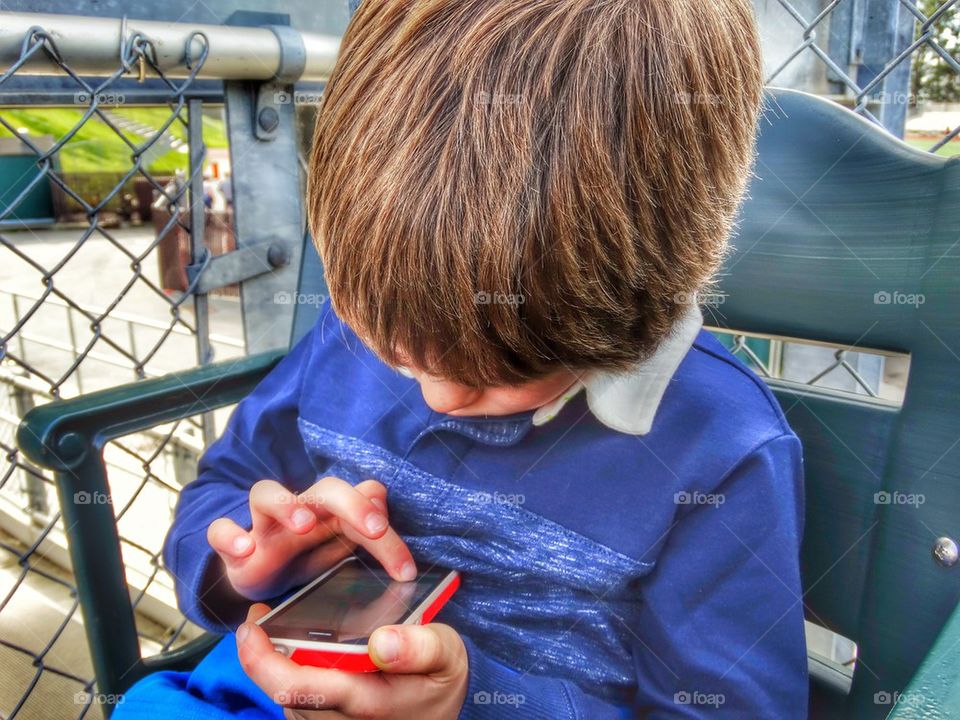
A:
x: 605, y: 573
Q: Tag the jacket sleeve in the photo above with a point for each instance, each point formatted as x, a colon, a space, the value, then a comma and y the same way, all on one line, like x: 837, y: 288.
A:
x: 261, y: 441
x: 719, y: 632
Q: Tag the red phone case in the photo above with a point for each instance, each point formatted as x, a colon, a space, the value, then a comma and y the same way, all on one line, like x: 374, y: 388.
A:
x: 355, y: 658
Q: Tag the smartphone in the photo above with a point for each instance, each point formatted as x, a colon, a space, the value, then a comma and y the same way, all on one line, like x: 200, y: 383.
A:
x: 328, y: 622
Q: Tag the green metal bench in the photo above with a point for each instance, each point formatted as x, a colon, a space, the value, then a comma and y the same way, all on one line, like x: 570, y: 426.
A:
x: 841, y: 218
x: 839, y: 211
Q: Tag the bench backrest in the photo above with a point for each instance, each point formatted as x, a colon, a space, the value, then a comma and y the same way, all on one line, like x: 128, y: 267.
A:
x: 840, y: 218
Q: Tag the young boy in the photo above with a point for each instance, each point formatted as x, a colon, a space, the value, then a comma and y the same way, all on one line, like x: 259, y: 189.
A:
x: 514, y: 201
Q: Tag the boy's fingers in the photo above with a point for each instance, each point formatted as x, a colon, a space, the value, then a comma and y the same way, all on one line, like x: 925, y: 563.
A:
x: 377, y: 492
x: 282, y: 679
x: 340, y: 499
x: 390, y: 551
x: 349, y: 504
x: 229, y: 540
x: 271, y: 502
x: 434, y: 649
x: 311, y: 564
x: 257, y: 611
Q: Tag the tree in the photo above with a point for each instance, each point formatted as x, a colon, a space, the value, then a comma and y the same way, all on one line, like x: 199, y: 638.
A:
x: 933, y: 77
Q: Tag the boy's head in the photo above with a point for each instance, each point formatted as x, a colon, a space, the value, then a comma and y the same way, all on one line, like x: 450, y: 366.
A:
x: 504, y: 189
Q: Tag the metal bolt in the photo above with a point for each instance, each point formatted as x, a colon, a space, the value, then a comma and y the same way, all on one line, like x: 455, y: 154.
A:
x: 945, y: 551
x: 71, y: 447
x: 277, y: 255
x: 269, y: 119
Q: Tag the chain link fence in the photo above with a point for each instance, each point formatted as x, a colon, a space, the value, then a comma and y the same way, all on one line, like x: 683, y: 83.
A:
x: 96, y: 231
x: 103, y: 315
x: 896, y: 63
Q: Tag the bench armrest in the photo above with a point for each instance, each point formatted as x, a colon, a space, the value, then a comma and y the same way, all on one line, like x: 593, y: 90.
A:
x: 68, y: 437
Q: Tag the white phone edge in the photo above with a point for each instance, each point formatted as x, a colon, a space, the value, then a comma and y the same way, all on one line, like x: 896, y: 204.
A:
x: 288, y: 645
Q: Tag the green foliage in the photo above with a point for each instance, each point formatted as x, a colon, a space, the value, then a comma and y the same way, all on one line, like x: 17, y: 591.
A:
x: 933, y: 78
x: 96, y: 147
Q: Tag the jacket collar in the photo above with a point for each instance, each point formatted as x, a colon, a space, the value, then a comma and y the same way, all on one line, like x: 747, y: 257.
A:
x: 627, y: 401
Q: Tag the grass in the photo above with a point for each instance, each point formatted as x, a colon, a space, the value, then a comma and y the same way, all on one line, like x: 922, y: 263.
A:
x: 97, y: 148
x: 951, y: 149
x: 214, y: 128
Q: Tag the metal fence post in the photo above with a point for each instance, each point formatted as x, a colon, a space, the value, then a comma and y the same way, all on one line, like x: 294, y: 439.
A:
x: 198, y: 248
x: 268, y: 206
x: 888, y: 29
x: 33, y: 485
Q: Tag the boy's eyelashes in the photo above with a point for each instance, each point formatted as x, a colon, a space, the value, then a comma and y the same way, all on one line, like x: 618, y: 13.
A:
x: 420, y: 376
x: 433, y: 380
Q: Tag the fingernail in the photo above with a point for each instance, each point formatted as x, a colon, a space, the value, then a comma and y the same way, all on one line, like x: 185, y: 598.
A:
x: 301, y: 517
x: 376, y: 522
x: 409, y: 571
x: 386, y: 646
x: 242, y: 633
x: 241, y: 543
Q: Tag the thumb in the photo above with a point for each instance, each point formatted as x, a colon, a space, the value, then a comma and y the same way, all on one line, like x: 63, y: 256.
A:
x: 434, y: 649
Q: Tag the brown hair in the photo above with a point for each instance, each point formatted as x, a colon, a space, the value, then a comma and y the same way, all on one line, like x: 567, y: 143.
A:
x: 503, y: 188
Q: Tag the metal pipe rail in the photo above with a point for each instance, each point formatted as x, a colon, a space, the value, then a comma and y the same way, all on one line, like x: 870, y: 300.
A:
x: 95, y: 46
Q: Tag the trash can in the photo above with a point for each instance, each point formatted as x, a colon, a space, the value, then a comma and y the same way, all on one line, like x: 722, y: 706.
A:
x: 173, y: 250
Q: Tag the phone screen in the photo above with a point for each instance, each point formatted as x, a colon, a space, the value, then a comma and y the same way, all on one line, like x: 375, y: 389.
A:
x: 350, y: 604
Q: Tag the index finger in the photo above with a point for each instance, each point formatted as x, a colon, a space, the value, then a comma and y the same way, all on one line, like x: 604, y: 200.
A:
x: 345, y: 502
x: 390, y: 551
x: 338, y: 498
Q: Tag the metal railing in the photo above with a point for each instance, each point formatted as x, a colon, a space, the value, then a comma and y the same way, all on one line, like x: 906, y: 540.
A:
x: 110, y: 69
x: 130, y: 327
x: 88, y: 46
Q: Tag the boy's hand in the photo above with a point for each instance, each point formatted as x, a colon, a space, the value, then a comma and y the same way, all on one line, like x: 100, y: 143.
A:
x: 296, y: 537
x: 424, y: 675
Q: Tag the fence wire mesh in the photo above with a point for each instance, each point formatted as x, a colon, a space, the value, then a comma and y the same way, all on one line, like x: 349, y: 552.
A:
x: 95, y: 294
x: 880, y: 59
x: 99, y: 296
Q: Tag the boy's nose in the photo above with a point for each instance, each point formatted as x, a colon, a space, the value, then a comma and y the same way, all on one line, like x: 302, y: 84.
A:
x: 447, y: 397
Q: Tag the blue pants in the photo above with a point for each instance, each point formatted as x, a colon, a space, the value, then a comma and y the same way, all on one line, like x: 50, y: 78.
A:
x: 217, y: 689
